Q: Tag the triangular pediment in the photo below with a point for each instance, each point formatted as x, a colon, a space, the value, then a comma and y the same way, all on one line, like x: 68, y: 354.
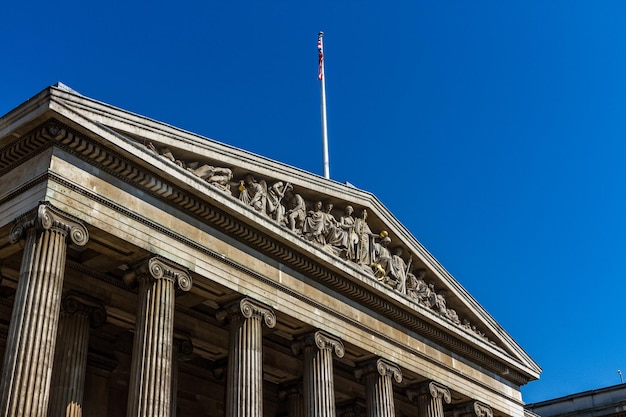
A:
x: 376, y: 256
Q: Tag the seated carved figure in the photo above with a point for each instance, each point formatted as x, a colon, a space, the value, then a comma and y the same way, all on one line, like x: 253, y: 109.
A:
x: 398, y: 270
x: 296, y: 213
x: 334, y: 234
x: 381, y: 259
x: 313, y: 226
x: 253, y: 193
x: 453, y: 316
x: 275, y: 195
x: 440, y: 303
x: 418, y: 289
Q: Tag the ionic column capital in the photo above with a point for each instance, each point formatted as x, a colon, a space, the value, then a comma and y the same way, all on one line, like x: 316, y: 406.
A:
x: 440, y: 391
x: 74, y: 302
x: 473, y: 409
x: 249, y: 308
x: 482, y: 409
x: 183, y: 345
x: 47, y: 217
x: 382, y: 367
x: 160, y: 268
x: 433, y: 388
x: 321, y: 340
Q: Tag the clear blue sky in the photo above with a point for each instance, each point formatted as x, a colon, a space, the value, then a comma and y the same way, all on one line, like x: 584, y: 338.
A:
x: 495, y: 131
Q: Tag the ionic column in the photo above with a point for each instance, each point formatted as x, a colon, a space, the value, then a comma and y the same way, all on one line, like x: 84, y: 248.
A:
x: 379, y: 387
x: 150, y: 379
x: 430, y: 398
x: 244, y: 389
x: 70, y: 364
x: 28, y: 359
x: 319, y: 389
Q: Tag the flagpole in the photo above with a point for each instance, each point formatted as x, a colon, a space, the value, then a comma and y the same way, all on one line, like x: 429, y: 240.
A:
x: 322, y: 78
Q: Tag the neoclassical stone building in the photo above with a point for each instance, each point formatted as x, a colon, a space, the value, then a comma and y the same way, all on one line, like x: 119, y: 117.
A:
x: 148, y: 271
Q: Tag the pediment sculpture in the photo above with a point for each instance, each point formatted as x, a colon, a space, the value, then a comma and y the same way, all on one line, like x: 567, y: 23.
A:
x: 348, y: 237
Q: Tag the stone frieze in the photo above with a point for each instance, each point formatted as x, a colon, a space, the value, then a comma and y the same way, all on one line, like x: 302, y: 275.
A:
x: 346, y: 235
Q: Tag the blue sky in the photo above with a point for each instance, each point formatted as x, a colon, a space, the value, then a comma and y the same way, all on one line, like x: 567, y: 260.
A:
x: 493, y: 130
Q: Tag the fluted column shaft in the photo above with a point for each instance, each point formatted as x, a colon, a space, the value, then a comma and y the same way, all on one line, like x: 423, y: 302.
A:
x: 67, y: 388
x: 70, y: 364
x: 244, y: 390
x: 319, y: 387
x: 295, y: 404
x: 430, y: 398
x: 150, y: 378
x: 379, y: 387
x: 295, y: 401
x: 31, y: 341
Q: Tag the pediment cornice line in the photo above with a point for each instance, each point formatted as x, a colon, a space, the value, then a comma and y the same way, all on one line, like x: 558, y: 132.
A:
x: 101, y: 119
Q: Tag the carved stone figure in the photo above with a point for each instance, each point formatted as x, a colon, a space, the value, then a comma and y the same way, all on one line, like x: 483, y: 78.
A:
x: 313, y: 226
x: 453, y: 316
x: 398, y: 270
x: 411, y: 284
x: 348, y: 224
x: 478, y: 332
x: 418, y: 289
x: 335, y: 235
x: 297, y: 211
x: 275, y: 194
x: 362, y: 255
x: 253, y: 193
x: 216, y: 176
x: 167, y: 154
x: 440, y: 303
x: 466, y: 324
x: 381, y: 259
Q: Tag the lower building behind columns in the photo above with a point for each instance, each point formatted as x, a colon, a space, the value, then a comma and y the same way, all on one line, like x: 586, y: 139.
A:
x: 296, y: 280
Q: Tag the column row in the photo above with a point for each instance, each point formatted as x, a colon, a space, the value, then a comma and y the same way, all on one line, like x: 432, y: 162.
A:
x: 36, y: 321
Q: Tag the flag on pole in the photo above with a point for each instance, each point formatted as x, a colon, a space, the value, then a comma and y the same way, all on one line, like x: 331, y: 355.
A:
x: 320, y: 49
x: 320, y: 77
